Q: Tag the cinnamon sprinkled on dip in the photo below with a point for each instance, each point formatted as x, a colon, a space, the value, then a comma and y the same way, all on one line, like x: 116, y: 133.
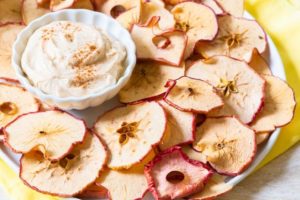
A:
x: 72, y: 59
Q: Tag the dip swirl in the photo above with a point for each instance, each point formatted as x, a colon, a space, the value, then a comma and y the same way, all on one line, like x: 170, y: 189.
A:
x: 68, y: 59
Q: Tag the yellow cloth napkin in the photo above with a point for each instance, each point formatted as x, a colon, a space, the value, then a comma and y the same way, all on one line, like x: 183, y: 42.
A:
x: 280, y: 18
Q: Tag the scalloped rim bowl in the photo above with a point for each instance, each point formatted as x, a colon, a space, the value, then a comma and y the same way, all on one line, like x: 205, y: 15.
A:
x: 99, y: 20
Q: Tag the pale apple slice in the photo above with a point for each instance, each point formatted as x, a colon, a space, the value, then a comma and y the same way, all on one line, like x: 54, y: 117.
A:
x: 213, y: 5
x: 53, y: 133
x: 31, y: 10
x: 214, y: 188
x: 181, y: 127
x: 8, y: 34
x: 156, y: 8
x: 241, y: 87
x: 126, y: 12
x: 15, y: 101
x: 56, y: 5
x: 10, y: 11
x: 167, y: 47
x: 193, y: 95
x: 259, y: 64
x: 83, y: 4
x: 193, y: 154
x: 262, y: 137
x: 148, y: 81
x: 237, y: 38
x: 171, y: 174
x: 279, y: 106
x: 71, y: 174
x: 131, y: 131
x: 197, y: 20
x: 126, y: 184
x: 232, y: 7
x: 229, y: 145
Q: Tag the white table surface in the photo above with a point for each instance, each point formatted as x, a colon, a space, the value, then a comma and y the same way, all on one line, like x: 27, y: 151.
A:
x: 279, y: 180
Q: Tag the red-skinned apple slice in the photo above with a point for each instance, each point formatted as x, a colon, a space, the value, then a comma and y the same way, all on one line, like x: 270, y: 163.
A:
x: 215, y: 187
x: 171, y: 174
x: 279, y: 106
x: 193, y: 95
x: 197, y: 20
x: 167, y: 47
x: 148, y: 81
x: 126, y: 12
x: 8, y: 34
x: 241, y: 87
x: 10, y: 11
x: 262, y: 137
x: 180, y: 127
x: 259, y: 64
x: 126, y: 184
x: 53, y: 133
x: 131, y: 131
x: 232, y: 7
x: 156, y: 8
x: 56, y: 5
x: 15, y: 101
x: 70, y: 175
x: 229, y: 145
x: 237, y: 38
x: 30, y: 11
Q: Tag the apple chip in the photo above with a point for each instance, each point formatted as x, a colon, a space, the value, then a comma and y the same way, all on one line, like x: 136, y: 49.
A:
x: 156, y: 8
x: 8, y: 34
x: 180, y: 127
x: 171, y: 175
x: 193, y: 154
x: 232, y: 7
x: 15, y: 101
x: 193, y: 95
x: 131, y: 131
x: 56, y: 5
x: 197, y: 20
x: 262, y: 137
x: 237, y: 38
x: 83, y: 4
x: 53, y: 133
x: 126, y: 12
x: 259, y: 64
x: 279, y: 106
x: 94, y: 191
x: 241, y: 87
x: 215, y: 187
x: 148, y: 81
x: 229, y: 145
x: 10, y: 12
x: 68, y: 176
x: 167, y: 47
x: 30, y: 11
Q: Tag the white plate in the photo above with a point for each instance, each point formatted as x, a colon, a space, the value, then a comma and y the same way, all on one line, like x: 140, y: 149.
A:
x: 91, y: 114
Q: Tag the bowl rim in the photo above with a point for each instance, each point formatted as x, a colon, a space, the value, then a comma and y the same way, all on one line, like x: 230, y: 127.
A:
x: 17, y: 53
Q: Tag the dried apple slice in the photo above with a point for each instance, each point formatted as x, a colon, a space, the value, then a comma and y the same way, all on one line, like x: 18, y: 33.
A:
x: 262, y: 137
x: 94, y: 191
x: 193, y: 95
x: 156, y: 8
x: 126, y: 12
x: 213, y: 5
x: 193, y: 154
x: 54, y: 133
x: 148, y: 81
x: 56, y: 5
x: 15, y: 101
x: 43, y: 3
x: 30, y: 11
x: 71, y: 174
x: 180, y: 127
x: 232, y: 7
x: 83, y: 4
x: 259, y: 64
x: 10, y: 11
x: 279, y: 106
x: 241, y: 87
x: 126, y: 184
x: 229, y: 145
x: 131, y: 131
x: 167, y: 47
x: 171, y: 174
x: 8, y: 34
x: 197, y: 20
x: 215, y: 187
x: 237, y: 38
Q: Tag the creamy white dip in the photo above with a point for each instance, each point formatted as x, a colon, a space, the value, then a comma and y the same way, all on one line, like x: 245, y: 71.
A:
x: 72, y: 59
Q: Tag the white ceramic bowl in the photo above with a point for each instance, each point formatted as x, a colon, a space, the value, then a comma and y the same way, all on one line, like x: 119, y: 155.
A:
x: 112, y: 27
